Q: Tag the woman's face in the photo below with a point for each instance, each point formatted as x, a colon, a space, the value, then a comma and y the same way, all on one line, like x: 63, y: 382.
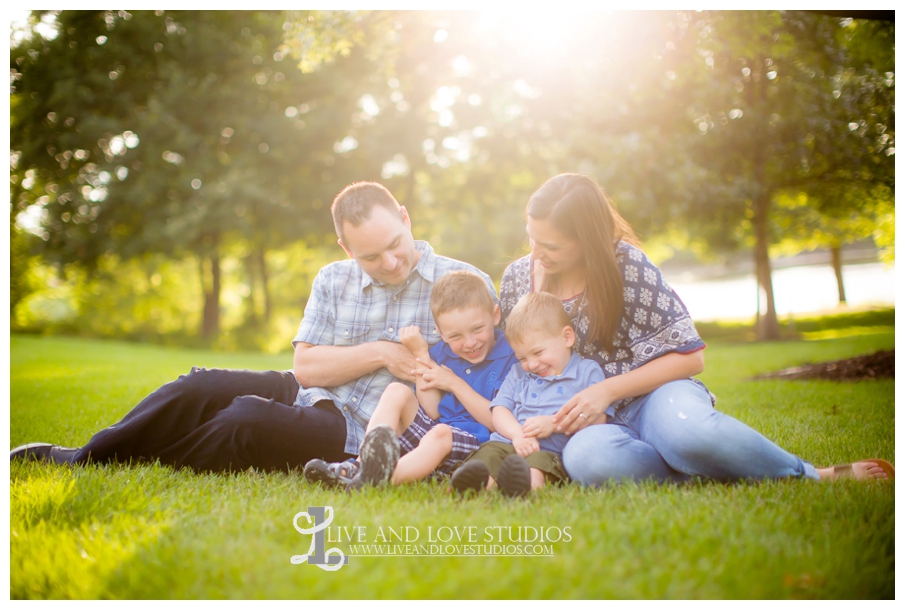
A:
x: 552, y: 250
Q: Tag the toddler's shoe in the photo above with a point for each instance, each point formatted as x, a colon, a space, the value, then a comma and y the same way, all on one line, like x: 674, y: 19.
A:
x: 514, y: 478
x: 471, y: 475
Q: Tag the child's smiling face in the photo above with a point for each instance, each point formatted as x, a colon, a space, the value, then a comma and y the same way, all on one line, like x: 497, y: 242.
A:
x: 544, y: 354
x: 469, y: 331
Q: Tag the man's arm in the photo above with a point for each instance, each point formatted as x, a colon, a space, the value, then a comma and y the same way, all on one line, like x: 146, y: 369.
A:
x: 319, y: 363
x: 327, y: 366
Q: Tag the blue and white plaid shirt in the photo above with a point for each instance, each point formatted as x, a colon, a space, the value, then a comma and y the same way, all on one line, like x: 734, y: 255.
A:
x: 348, y: 307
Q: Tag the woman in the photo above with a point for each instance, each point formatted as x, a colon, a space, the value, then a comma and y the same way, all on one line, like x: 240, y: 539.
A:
x: 662, y: 423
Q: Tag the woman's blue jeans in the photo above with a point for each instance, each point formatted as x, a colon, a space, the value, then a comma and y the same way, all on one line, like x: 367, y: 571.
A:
x: 674, y: 433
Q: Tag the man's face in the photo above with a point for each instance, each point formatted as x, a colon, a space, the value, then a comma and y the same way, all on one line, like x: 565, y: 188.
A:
x: 382, y: 245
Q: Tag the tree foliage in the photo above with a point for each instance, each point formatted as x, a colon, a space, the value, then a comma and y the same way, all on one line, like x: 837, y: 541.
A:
x: 172, y: 132
x: 782, y: 108
x: 226, y: 134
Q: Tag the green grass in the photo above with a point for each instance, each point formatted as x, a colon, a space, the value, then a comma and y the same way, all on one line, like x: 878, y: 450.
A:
x: 148, y: 531
x: 808, y: 327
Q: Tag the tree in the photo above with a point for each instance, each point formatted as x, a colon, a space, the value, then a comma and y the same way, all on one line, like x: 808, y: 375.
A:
x: 803, y: 226
x: 766, y: 100
x: 176, y: 133
x: 245, y: 125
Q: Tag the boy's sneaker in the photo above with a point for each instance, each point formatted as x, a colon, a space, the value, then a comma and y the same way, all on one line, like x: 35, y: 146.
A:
x: 514, y: 478
x: 331, y: 474
x: 379, y: 455
x: 471, y: 475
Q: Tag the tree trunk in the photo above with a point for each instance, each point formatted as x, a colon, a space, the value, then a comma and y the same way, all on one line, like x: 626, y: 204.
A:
x: 251, y: 308
x: 837, y: 269
x: 265, y: 288
x: 768, y: 328
x: 210, y: 322
x: 769, y: 324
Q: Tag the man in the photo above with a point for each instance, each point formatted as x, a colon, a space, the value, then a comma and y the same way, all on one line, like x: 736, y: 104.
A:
x: 347, y: 351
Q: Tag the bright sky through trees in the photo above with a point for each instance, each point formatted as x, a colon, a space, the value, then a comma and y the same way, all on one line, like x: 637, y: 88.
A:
x: 21, y: 29
x: 542, y: 32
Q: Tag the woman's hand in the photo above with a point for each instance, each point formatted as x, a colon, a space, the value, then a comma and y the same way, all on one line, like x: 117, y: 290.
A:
x: 588, y: 406
x: 583, y: 409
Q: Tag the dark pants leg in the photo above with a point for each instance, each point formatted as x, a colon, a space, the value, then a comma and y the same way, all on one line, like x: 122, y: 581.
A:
x: 215, y: 419
x: 262, y: 433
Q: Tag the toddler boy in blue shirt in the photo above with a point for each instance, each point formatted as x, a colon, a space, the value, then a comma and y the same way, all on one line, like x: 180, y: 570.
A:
x: 448, y: 415
x: 525, y: 452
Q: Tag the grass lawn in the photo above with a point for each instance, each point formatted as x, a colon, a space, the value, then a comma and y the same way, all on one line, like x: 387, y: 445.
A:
x: 150, y: 532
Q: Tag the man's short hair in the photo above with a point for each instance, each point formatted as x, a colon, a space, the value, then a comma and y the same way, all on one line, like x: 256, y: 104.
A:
x: 458, y: 290
x: 353, y: 204
x: 536, y: 311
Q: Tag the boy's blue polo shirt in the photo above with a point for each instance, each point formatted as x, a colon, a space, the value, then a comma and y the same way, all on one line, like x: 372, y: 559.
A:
x: 528, y: 395
x: 485, y: 378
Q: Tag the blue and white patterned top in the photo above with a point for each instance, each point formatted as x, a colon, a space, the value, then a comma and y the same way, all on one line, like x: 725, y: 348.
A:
x: 348, y: 307
x: 654, y: 321
x: 528, y: 395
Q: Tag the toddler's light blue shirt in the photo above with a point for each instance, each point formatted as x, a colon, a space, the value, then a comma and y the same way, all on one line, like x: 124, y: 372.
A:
x: 528, y: 395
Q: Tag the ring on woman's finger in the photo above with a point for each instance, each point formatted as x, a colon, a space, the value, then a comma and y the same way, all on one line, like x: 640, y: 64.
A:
x: 583, y: 415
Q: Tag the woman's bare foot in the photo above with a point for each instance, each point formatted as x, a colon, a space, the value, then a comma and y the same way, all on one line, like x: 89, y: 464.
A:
x: 864, y: 470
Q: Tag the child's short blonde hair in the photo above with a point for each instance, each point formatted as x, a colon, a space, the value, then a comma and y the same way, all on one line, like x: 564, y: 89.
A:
x: 536, y: 311
x: 458, y: 290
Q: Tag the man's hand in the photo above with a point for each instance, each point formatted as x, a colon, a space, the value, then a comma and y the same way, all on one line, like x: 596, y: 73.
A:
x: 436, y: 377
x: 398, y: 360
x: 539, y: 426
x: 525, y: 446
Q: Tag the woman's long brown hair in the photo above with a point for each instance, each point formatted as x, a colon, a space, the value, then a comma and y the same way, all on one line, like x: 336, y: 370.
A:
x: 579, y: 209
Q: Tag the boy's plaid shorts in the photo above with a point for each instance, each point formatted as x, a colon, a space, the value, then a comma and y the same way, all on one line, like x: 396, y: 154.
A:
x: 463, y: 442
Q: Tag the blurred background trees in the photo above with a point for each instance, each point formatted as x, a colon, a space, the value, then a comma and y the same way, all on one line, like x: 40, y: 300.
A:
x: 171, y: 172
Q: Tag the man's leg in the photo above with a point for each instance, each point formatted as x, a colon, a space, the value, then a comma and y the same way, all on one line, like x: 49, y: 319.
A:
x: 264, y: 434
x: 178, y: 409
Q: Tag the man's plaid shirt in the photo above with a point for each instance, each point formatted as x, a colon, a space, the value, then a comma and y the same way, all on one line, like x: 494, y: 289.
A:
x: 347, y: 307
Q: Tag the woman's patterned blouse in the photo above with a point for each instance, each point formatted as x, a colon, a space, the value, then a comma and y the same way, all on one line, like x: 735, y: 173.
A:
x: 653, y: 322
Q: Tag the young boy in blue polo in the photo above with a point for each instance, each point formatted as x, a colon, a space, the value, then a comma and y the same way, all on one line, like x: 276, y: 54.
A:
x: 524, y: 452
x: 448, y: 415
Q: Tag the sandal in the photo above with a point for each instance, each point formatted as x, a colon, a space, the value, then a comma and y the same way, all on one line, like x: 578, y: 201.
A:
x: 845, y: 471
x: 333, y: 474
